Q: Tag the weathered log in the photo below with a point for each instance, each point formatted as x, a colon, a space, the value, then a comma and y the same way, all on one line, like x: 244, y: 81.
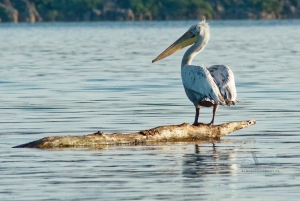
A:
x: 170, y: 133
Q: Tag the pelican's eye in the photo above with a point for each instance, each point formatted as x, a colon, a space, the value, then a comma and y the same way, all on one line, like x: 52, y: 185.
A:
x: 192, y: 34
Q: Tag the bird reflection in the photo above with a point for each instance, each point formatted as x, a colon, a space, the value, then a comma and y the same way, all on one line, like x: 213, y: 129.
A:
x: 207, y: 161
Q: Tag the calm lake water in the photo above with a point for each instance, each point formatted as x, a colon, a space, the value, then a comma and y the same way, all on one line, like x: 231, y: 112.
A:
x: 78, y: 78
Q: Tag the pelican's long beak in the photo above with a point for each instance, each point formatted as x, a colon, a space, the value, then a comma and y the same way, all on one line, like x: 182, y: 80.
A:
x: 187, y: 39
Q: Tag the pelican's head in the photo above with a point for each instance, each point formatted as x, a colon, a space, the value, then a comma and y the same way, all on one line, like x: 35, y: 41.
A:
x: 198, y: 33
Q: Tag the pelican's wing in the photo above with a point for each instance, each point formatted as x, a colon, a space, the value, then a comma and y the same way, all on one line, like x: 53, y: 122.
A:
x: 225, y: 81
x: 200, y: 85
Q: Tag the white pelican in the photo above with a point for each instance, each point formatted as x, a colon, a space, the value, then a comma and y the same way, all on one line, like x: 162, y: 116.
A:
x: 206, y: 87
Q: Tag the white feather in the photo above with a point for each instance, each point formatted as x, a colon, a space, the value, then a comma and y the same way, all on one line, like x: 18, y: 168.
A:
x: 224, y: 78
x: 200, y: 85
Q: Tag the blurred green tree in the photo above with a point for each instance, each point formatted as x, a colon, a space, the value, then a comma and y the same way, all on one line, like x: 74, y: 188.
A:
x: 79, y: 10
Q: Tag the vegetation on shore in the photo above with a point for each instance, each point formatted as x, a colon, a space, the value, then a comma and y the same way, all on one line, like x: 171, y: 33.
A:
x: 97, y: 10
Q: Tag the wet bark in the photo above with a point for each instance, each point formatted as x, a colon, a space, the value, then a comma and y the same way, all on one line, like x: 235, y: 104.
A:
x: 171, y: 133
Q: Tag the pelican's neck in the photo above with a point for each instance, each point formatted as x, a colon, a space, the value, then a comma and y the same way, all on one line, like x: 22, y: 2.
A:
x: 193, y: 51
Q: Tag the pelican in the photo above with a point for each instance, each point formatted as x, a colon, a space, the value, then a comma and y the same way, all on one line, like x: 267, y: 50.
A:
x: 208, y: 87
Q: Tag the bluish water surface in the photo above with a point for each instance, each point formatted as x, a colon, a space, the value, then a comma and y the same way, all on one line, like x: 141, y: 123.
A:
x: 78, y: 78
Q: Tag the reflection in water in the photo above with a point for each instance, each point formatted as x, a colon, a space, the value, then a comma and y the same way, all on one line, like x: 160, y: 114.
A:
x: 208, y: 161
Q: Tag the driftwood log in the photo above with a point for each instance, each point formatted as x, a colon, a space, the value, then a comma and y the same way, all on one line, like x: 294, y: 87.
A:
x: 171, y: 133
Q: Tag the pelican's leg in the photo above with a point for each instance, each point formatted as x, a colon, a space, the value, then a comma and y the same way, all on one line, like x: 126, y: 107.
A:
x: 214, y: 113
x: 196, y: 116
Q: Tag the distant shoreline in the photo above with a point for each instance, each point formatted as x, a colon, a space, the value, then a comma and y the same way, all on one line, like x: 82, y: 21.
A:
x: 145, y: 10
x: 136, y: 21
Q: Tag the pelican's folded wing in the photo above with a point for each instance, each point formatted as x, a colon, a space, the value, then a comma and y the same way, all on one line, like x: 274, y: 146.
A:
x: 225, y: 81
x: 200, y: 85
